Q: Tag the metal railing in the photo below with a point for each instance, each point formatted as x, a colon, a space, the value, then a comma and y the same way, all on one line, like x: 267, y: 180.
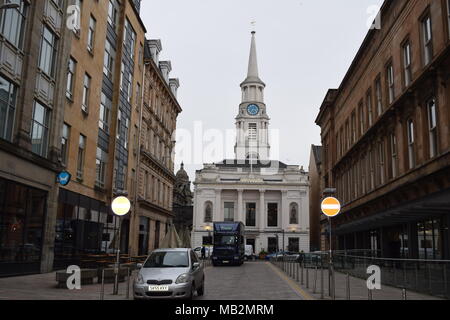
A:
x: 430, y: 277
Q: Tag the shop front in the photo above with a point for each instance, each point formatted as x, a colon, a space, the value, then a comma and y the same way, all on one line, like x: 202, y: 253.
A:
x: 85, y: 226
x: 22, y: 217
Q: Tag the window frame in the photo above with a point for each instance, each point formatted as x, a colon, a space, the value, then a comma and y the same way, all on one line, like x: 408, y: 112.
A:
x: 432, y: 127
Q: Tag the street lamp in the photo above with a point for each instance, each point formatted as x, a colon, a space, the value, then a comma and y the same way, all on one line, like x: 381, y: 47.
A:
x: 9, y: 6
x: 120, y: 207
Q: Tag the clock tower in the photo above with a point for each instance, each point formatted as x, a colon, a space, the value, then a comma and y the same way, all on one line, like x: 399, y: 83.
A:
x: 252, y: 122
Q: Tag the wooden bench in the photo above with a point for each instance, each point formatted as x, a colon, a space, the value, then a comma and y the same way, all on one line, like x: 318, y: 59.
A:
x: 87, y: 277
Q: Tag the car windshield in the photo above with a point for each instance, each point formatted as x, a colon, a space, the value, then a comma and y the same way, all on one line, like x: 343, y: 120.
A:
x: 167, y: 260
x: 225, y: 240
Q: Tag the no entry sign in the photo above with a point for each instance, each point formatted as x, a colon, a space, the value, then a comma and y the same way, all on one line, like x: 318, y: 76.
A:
x: 331, y: 207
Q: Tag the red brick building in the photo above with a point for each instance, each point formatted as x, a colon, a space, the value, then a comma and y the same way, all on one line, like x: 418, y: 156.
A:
x: 386, y: 136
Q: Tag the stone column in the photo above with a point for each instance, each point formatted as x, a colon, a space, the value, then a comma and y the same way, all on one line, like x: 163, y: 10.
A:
x: 284, y: 210
x: 217, y: 215
x: 240, y: 208
x: 262, y: 210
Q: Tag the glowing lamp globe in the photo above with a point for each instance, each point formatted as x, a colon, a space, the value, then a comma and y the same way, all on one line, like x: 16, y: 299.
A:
x: 121, y: 206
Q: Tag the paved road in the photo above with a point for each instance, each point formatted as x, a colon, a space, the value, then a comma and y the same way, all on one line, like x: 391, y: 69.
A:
x: 252, y: 281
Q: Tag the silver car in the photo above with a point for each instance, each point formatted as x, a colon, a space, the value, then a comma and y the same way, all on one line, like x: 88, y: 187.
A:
x: 170, y: 274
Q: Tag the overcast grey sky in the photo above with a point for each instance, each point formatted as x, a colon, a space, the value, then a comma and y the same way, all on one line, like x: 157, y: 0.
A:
x: 304, y: 48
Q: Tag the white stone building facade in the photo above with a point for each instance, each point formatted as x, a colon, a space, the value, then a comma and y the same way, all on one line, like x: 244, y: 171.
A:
x: 269, y: 197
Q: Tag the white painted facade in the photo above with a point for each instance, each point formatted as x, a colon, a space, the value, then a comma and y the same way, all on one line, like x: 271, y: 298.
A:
x: 269, y: 197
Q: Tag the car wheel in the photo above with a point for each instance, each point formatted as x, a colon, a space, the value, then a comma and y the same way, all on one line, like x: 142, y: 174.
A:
x: 201, y: 290
x: 191, y: 297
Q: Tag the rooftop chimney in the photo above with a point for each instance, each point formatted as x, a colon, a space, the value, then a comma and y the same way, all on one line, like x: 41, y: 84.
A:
x: 174, y: 84
x: 165, y: 67
x: 155, y: 47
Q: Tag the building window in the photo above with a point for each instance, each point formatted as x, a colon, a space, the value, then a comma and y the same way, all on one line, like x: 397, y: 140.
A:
x: 108, y: 60
x: 432, y: 127
x: 100, y: 167
x: 381, y: 161
x: 361, y: 119
x: 112, y: 13
x: 353, y: 127
x: 448, y: 16
x: 379, y: 97
x: 48, y: 52
x: 208, y: 212
x: 390, y: 82
x: 144, y: 232
x: 347, y: 135
x: 8, y: 96
x: 272, y: 215
x: 71, y: 78
x: 411, y: 141
x: 39, y: 129
x: 91, y: 34
x: 272, y: 245
x: 294, y: 245
x: 81, y: 153
x: 393, y: 141
x: 65, y: 138
x: 104, y: 119
x: 427, y: 36
x: 407, y: 63
x: 86, y: 93
x: 12, y: 25
x: 250, y: 215
x: 369, y: 108
x: 372, y: 169
x: 252, y: 131
x: 293, y: 214
x: 129, y: 39
x: 229, y: 211
x: 126, y: 133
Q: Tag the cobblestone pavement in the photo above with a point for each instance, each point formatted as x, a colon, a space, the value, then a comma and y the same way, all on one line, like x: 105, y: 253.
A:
x: 252, y: 281
x: 43, y: 287
x: 358, y: 287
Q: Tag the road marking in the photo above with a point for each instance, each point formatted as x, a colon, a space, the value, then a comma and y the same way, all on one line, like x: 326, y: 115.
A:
x: 293, y: 284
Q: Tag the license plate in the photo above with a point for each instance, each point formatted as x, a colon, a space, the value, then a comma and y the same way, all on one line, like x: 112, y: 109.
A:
x: 158, y: 288
x: 225, y: 261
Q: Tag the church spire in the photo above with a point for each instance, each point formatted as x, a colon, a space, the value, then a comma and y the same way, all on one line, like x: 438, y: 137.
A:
x: 253, y: 74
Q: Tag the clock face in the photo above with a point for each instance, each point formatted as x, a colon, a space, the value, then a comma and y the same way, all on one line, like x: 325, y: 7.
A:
x: 253, y: 109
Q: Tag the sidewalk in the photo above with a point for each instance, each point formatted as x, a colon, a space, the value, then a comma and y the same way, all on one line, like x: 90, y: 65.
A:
x: 358, y: 287
x: 43, y: 287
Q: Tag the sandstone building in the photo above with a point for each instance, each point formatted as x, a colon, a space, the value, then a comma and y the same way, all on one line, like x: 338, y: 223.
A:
x: 386, y: 139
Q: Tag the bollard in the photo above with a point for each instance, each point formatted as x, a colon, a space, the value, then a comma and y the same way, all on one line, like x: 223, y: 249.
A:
x: 307, y: 278
x: 404, y: 297
x: 128, y: 284
x: 348, y: 287
x: 321, y: 284
x: 333, y: 284
x: 370, y: 297
x: 297, y: 271
x: 303, y: 266
x: 315, y: 281
x: 102, y: 290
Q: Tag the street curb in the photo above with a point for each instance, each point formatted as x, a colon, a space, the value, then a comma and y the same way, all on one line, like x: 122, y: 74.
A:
x: 294, y: 285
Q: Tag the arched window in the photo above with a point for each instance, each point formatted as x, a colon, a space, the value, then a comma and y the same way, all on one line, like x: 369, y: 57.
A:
x: 293, y: 214
x: 208, y: 212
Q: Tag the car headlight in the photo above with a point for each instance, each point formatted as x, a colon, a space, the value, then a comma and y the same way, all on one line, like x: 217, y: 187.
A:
x: 140, y: 279
x: 184, y: 278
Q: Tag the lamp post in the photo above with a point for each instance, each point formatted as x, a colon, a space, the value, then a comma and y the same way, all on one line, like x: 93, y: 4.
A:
x: 120, y: 207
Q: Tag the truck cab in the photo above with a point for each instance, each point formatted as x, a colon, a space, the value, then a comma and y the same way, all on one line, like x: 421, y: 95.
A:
x: 229, y: 247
